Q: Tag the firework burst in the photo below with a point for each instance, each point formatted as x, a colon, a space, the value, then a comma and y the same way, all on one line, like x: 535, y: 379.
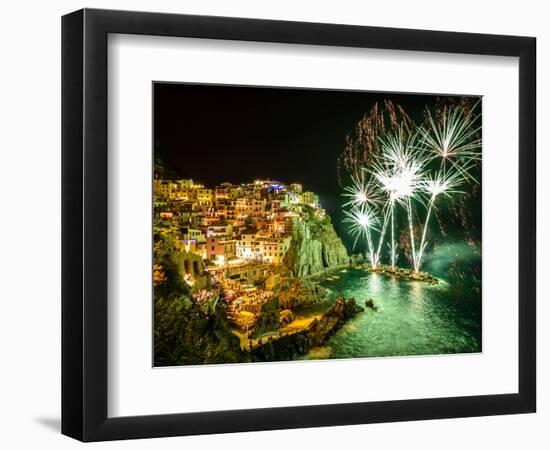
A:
x: 361, y: 193
x: 442, y: 183
x: 362, y: 221
x: 453, y: 140
x: 398, y: 149
x: 400, y: 182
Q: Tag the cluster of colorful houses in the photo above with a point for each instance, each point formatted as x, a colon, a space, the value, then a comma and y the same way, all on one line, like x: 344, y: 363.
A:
x: 240, y: 229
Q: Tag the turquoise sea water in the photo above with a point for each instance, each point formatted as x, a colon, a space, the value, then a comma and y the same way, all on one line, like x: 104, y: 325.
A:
x: 413, y: 318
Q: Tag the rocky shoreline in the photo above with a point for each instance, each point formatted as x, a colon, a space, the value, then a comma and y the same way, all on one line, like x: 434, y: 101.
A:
x: 290, y: 346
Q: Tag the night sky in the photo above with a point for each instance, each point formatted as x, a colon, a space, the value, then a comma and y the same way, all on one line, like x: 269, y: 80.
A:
x: 214, y: 134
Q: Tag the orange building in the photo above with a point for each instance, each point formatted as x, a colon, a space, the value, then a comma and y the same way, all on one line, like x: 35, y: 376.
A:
x: 220, y: 250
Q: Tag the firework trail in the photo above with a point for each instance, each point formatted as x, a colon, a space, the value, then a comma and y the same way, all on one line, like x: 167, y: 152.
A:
x: 434, y: 185
x: 398, y: 174
x: 362, y: 222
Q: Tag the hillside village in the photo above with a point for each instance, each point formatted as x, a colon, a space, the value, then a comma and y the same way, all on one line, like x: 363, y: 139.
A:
x: 231, y: 224
x: 248, y: 241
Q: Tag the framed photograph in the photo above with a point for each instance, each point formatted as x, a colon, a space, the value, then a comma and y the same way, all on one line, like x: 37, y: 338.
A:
x: 273, y: 224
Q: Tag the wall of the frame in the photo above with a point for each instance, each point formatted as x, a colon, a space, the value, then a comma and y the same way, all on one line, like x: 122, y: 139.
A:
x: 30, y: 236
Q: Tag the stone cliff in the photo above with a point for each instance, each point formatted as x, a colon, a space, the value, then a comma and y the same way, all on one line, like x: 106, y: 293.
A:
x: 314, y: 247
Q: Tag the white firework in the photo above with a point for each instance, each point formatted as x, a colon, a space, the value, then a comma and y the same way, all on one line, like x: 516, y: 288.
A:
x: 439, y: 183
x: 361, y: 193
x: 397, y: 150
x: 399, y: 184
x: 453, y: 139
x: 361, y: 221
x: 399, y: 172
x: 442, y: 183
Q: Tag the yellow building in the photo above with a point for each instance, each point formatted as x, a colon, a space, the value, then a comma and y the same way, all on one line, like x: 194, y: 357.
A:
x: 295, y: 188
x: 274, y: 250
x: 173, y: 189
x: 186, y: 184
x: 205, y: 197
x: 249, y: 207
x: 193, y: 234
x: 311, y: 199
x: 164, y: 189
x: 217, y: 230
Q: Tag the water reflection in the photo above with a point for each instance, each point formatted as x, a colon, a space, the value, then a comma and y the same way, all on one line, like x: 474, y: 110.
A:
x: 413, y: 318
x: 417, y: 294
x: 373, y: 283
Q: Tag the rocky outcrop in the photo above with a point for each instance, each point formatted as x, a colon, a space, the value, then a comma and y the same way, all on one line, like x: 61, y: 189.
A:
x: 315, y: 246
x: 369, y: 303
x: 301, y: 292
x: 342, y: 311
x: 317, y: 333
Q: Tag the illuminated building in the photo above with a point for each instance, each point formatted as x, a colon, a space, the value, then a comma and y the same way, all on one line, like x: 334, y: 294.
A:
x: 248, y: 246
x: 193, y: 234
x: 205, y: 197
x: 274, y: 250
x: 295, y: 188
x: 218, y: 230
x: 220, y: 250
x: 249, y: 207
x: 311, y: 199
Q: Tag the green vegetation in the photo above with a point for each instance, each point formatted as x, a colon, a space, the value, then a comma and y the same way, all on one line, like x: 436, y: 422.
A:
x: 185, y: 332
x: 269, y: 317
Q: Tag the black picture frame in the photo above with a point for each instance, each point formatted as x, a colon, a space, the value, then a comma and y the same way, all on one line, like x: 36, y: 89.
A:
x: 84, y: 224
